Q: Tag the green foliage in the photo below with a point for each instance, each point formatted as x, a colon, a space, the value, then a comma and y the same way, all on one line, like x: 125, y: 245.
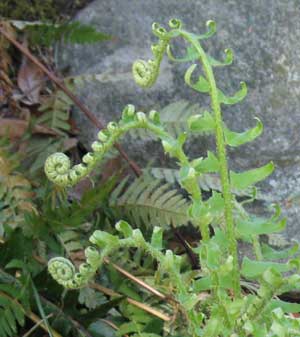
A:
x: 173, y: 117
x: 55, y: 112
x: 11, y: 311
x: 226, y: 311
x: 225, y: 297
x: 15, y: 191
x: 149, y: 202
x: 75, y: 32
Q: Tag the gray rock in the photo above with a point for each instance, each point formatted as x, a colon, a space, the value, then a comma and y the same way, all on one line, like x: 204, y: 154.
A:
x: 265, y: 37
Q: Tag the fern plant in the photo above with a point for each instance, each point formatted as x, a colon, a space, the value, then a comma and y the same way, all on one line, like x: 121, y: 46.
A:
x: 16, y: 195
x: 218, y: 299
x: 55, y: 112
x: 12, y: 312
x: 148, y: 201
x: 74, y: 32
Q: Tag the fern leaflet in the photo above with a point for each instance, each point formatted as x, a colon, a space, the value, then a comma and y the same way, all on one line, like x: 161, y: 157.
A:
x: 207, y: 181
x: 11, y: 311
x: 74, y: 32
x: 56, y: 112
x: 150, y: 202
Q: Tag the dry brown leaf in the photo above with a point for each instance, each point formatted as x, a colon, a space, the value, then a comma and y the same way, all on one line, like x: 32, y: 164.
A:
x: 30, y: 81
x: 15, y: 128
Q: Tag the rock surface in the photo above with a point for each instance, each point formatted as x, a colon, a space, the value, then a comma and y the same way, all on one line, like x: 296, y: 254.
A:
x: 265, y: 37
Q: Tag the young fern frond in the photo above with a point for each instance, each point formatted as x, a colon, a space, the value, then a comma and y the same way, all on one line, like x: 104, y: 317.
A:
x: 207, y: 84
x: 225, y: 313
x: 146, y: 73
x: 174, y: 117
x: 64, y: 272
x: 207, y: 181
x: 150, y: 202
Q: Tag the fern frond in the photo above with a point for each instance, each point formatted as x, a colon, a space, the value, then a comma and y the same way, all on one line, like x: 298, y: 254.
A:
x: 174, y: 118
x: 70, y: 240
x: 38, y: 149
x: 15, y: 192
x: 56, y: 111
x: 11, y: 312
x: 150, y: 202
x: 74, y: 32
x: 175, y: 115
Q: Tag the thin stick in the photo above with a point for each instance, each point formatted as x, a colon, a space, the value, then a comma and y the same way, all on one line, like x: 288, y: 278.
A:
x: 136, y: 169
x: 36, y: 325
x: 136, y: 280
x: 140, y: 305
x: 37, y: 319
x: 133, y: 278
x: 111, y: 324
x: 149, y: 309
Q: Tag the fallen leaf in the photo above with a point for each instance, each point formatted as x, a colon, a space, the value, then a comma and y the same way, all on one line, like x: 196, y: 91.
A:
x: 30, y: 81
x: 15, y: 128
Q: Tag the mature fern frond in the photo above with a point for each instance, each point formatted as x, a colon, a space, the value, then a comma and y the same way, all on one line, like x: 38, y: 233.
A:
x: 15, y: 192
x: 38, y: 149
x: 56, y: 111
x: 148, y: 201
x: 11, y: 311
x: 74, y: 32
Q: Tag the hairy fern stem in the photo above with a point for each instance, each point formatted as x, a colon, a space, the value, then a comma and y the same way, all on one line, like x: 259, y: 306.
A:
x: 221, y: 151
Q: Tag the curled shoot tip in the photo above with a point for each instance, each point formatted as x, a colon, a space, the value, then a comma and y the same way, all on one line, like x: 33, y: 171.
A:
x: 175, y: 23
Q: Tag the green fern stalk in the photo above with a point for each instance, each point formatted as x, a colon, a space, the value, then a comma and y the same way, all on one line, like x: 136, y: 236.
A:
x: 221, y: 149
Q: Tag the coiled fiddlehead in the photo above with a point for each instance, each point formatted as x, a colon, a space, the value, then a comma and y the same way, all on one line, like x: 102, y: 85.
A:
x: 145, y: 73
x: 64, y: 272
x: 58, y: 166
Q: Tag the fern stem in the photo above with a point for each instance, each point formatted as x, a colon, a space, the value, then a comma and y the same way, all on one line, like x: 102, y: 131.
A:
x: 221, y: 151
x: 257, y: 248
x: 193, y: 188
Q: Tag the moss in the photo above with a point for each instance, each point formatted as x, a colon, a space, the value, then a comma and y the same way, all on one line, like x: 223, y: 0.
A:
x: 39, y: 9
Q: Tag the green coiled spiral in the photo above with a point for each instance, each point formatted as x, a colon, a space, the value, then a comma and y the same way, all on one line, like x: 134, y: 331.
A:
x: 145, y: 73
x: 58, y: 165
x: 64, y: 272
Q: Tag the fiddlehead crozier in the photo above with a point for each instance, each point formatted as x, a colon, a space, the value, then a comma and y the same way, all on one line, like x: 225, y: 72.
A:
x: 145, y: 73
x: 58, y: 166
x: 64, y: 272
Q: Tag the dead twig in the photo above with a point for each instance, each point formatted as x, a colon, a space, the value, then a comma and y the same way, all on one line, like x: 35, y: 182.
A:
x: 136, y: 280
x: 137, y: 304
